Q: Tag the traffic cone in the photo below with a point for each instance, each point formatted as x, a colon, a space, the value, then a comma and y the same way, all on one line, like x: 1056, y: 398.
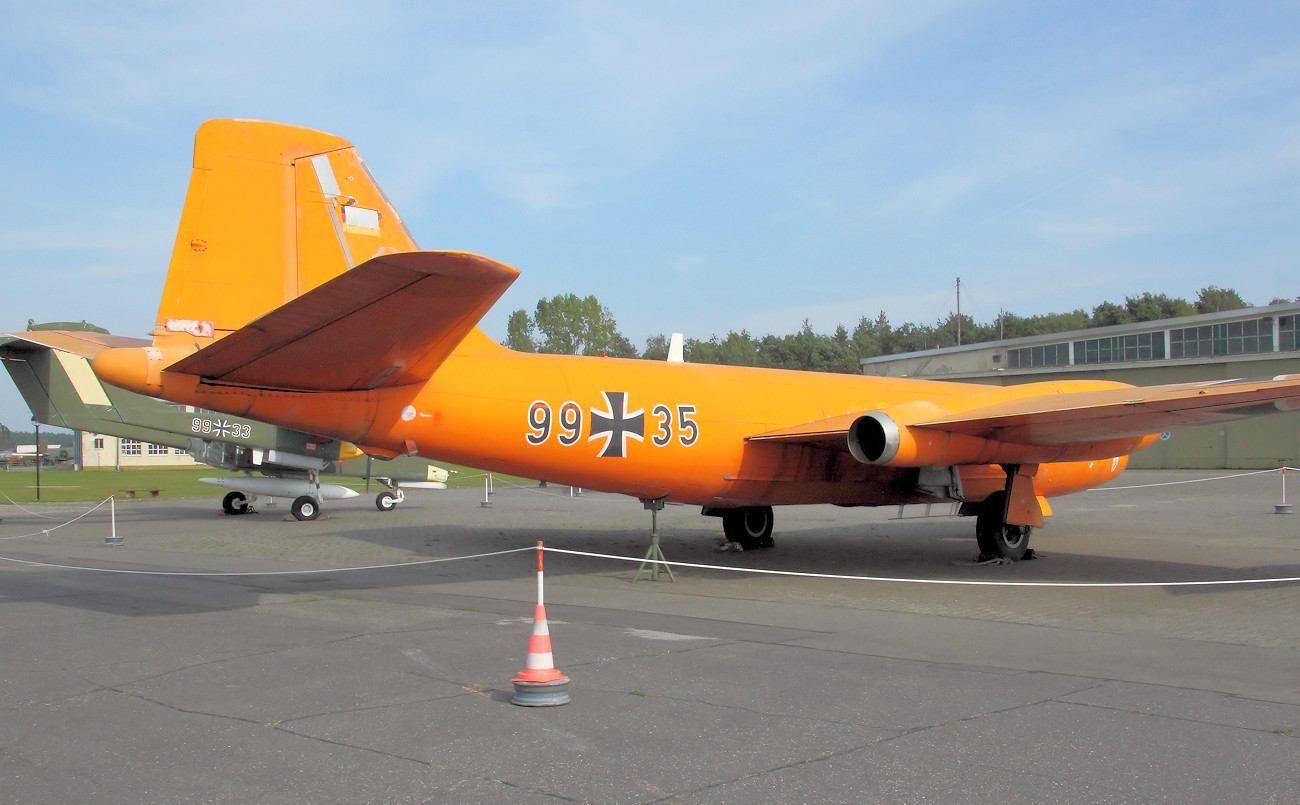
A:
x: 540, y: 684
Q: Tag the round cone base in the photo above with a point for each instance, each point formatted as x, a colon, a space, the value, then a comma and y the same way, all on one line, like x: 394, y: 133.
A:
x: 541, y: 694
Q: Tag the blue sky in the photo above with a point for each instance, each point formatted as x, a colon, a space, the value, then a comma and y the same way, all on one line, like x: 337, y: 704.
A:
x: 698, y: 167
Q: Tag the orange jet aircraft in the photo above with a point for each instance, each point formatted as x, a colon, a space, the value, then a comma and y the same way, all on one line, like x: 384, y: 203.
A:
x: 296, y: 296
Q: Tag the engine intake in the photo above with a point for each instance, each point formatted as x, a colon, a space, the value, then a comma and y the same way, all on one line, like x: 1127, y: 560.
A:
x: 874, y: 438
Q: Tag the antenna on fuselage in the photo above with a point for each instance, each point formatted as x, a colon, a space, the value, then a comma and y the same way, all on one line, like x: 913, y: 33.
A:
x: 676, y: 348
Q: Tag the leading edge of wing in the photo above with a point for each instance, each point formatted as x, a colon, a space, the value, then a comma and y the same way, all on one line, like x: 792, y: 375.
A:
x: 390, y: 321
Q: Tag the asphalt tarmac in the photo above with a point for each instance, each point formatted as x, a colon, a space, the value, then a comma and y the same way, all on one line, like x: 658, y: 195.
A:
x: 393, y: 684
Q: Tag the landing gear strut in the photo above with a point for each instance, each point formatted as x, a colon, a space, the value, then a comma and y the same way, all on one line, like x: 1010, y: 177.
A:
x: 750, y: 526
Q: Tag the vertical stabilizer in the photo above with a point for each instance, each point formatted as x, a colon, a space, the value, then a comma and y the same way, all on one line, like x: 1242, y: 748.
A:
x: 272, y: 212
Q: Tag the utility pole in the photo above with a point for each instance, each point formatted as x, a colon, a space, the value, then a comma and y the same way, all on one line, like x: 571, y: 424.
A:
x: 959, y: 311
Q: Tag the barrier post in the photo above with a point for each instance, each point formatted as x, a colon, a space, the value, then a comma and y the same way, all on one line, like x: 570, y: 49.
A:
x: 112, y: 538
x: 1283, y: 507
x: 487, y: 492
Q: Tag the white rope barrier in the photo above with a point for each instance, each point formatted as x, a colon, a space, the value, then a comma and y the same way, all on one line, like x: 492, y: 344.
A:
x: 46, y: 531
x: 233, y: 573
x: 956, y: 582
x: 1190, y: 481
x: 25, y: 510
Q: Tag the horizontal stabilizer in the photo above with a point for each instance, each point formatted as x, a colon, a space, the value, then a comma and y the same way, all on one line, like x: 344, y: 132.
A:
x: 390, y: 321
x: 79, y: 342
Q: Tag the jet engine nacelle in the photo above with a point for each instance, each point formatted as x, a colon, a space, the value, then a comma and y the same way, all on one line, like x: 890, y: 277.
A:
x: 887, y: 437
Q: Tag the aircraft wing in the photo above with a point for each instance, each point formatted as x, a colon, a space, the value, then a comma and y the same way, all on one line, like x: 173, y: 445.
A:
x: 1038, y: 428
x: 1116, y: 413
x: 390, y: 321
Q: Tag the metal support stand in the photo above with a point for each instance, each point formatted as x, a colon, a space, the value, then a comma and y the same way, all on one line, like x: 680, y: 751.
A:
x: 655, y: 556
x: 487, y: 491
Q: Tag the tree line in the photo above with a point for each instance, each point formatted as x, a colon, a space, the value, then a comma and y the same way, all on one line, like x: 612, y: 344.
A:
x: 570, y: 325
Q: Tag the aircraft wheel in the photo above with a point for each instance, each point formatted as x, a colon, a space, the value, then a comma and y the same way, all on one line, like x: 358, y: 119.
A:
x: 235, y: 503
x: 751, y: 526
x: 386, y: 501
x: 995, y: 536
x: 306, y: 508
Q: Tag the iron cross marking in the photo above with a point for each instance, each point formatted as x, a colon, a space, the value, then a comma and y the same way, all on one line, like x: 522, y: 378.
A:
x: 616, y: 425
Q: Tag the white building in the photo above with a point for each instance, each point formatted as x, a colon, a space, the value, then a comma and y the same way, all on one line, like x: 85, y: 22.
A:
x: 110, y: 452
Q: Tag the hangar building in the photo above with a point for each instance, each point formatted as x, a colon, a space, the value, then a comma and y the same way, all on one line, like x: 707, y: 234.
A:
x: 1252, y: 342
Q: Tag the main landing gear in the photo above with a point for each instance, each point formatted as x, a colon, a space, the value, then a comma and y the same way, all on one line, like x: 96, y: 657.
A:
x: 996, y: 537
x: 389, y: 498
x: 748, y: 526
x: 235, y: 503
x: 305, y: 507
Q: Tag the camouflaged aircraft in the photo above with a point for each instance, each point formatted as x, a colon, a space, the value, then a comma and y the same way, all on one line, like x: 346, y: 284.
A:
x: 55, y: 379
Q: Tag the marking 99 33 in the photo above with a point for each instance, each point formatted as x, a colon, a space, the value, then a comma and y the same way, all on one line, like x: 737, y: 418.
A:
x: 221, y: 428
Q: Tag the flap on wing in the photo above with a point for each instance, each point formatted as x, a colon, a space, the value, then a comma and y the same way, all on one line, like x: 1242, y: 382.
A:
x: 85, y: 343
x: 1073, y: 418
x: 390, y: 321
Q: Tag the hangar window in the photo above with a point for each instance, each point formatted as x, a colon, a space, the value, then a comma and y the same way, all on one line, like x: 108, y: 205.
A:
x: 1120, y: 348
x: 99, y: 442
x: 1286, y: 327
x: 1248, y: 337
x: 130, y: 447
x: 157, y: 450
x: 1043, y: 355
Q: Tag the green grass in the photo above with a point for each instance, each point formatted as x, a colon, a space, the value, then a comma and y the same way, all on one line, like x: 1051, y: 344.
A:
x: 63, y: 486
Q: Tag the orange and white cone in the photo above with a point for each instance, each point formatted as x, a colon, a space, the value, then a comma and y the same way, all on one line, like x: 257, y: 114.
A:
x: 540, y: 684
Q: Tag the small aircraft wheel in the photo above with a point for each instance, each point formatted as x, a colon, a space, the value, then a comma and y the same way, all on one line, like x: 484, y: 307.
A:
x: 235, y: 503
x: 386, y: 501
x: 995, y: 536
x: 751, y: 526
x: 306, y: 508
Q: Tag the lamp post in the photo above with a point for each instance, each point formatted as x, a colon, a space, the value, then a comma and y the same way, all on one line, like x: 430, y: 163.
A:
x: 38, y: 459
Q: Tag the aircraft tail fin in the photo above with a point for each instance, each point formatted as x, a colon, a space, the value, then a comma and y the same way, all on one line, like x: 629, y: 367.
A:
x: 272, y: 212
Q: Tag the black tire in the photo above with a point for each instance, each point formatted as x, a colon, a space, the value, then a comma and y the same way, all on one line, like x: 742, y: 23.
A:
x: 235, y: 503
x: 306, y: 508
x: 995, y: 536
x: 751, y: 526
x: 386, y: 501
